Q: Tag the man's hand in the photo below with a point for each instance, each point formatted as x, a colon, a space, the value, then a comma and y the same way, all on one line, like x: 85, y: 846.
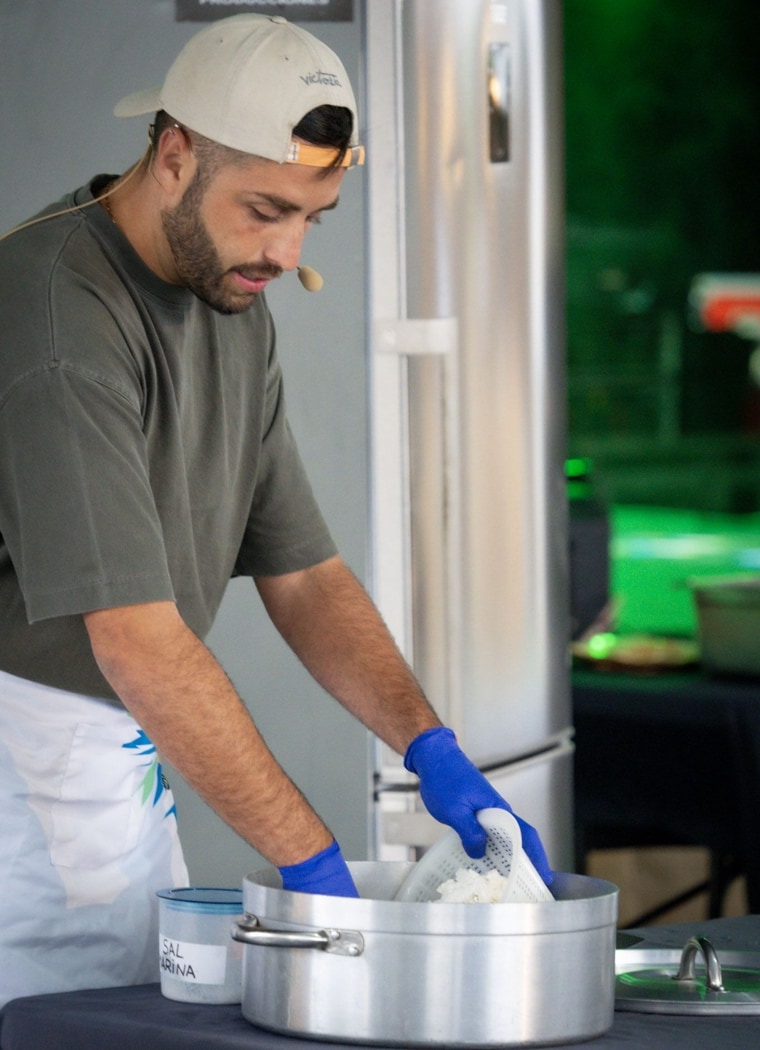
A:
x: 454, y: 790
x: 327, y: 873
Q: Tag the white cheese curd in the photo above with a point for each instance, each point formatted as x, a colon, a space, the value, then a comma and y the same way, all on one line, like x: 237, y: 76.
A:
x: 470, y: 887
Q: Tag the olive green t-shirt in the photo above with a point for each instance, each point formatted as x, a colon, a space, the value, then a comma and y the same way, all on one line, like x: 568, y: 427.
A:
x: 145, y: 453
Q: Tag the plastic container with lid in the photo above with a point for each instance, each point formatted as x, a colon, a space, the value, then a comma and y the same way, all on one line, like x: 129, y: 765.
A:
x: 199, y: 960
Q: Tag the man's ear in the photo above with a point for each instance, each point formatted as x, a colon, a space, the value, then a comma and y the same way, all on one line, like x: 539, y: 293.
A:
x: 174, y: 162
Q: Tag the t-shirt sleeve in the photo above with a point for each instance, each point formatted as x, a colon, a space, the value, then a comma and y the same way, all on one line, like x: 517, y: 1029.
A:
x: 78, y: 515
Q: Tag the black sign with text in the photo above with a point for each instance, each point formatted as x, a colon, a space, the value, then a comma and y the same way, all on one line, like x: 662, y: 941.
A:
x: 293, y: 10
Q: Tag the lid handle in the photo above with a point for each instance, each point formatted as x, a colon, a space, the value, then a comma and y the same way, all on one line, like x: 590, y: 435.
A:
x: 712, y: 965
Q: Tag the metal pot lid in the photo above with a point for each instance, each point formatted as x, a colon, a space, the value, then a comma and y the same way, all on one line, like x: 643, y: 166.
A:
x: 683, y: 990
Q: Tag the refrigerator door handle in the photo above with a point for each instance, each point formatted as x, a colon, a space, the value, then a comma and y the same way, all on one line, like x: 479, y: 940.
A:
x: 434, y: 335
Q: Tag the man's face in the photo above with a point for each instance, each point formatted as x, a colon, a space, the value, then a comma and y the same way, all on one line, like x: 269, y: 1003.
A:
x: 230, y: 236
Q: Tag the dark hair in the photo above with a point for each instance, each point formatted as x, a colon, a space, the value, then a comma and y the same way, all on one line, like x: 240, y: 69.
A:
x: 329, y: 126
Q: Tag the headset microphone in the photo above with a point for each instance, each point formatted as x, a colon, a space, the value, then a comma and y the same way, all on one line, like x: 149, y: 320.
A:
x: 310, y: 279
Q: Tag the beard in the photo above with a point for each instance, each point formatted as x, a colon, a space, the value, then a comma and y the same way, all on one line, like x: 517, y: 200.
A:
x: 197, y: 261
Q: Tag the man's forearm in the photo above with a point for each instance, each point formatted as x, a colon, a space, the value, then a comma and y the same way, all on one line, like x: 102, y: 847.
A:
x: 184, y: 701
x: 330, y: 622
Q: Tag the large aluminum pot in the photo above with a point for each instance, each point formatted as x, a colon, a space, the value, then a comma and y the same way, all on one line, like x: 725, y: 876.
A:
x: 395, y: 973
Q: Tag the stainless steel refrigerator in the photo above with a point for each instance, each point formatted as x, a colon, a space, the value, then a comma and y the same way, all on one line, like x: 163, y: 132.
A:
x: 463, y: 113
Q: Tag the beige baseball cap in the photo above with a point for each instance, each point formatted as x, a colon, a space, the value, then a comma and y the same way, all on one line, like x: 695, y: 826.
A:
x: 246, y: 81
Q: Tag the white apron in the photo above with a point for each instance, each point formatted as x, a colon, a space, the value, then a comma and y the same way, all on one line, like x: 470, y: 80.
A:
x: 88, y: 833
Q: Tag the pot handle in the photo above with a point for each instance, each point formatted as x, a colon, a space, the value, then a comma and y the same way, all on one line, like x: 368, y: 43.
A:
x: 336, y: 942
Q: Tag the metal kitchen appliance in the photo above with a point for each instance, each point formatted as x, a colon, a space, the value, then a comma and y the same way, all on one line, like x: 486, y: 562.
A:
x: 469, y: 544
x: 397, y: 973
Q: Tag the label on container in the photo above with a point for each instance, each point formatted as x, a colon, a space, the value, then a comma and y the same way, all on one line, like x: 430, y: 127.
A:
x: 197, y: 963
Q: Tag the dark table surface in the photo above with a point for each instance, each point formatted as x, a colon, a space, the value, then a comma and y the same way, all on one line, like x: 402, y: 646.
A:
x: 139, y: 1018
x: 675, y: 753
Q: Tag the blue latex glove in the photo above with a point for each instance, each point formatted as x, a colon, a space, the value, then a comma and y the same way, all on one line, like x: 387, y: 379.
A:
x: 325, y: 872
x: 453, y: 790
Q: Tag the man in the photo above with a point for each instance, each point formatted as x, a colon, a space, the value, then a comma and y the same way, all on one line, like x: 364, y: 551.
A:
x: 145, y: 458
